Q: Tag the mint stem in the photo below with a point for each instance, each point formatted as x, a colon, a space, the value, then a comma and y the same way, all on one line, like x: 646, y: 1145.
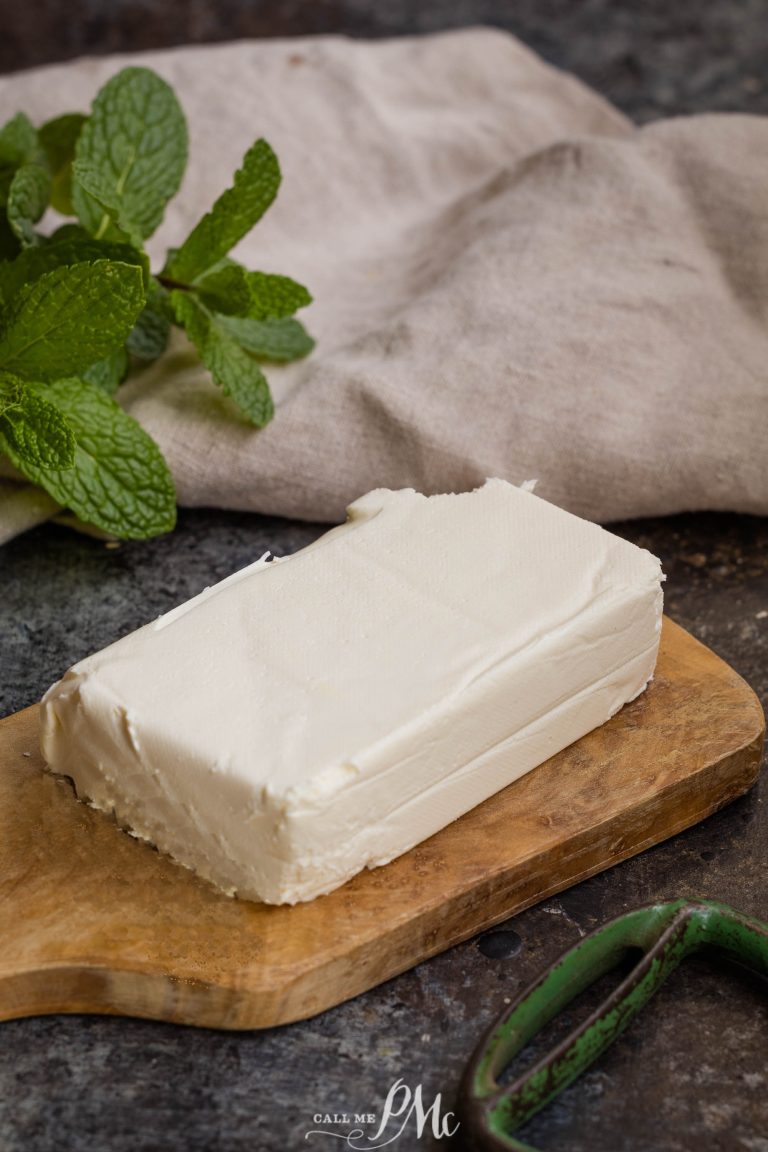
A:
x: 171, y: 284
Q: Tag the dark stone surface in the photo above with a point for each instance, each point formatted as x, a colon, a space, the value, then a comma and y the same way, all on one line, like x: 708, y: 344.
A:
x: 691, y: 1073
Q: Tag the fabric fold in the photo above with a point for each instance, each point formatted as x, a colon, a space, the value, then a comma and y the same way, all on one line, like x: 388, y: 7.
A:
x: 509, y: 280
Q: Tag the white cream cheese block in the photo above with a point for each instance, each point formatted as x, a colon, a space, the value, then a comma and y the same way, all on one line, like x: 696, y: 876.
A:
x: 308, y: 718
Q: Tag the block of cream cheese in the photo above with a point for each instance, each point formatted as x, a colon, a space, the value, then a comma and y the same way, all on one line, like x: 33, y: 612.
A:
x: 308, y: 718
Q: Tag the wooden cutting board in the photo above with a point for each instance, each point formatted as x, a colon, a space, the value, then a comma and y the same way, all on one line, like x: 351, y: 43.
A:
x: 94, y: 921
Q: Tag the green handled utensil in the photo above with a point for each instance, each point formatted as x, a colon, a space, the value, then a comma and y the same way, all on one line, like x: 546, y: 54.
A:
x: 666, y: 934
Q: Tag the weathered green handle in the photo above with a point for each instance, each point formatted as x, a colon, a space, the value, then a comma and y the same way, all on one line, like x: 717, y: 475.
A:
x: 666, y: 934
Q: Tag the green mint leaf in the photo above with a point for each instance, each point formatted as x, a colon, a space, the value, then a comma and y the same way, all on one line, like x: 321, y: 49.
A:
x: 18, y: 141
x: 24, y: 183
x: 11, y: 391
x: 27, y: 200
x: 232, y: 368
x: 226, y: 290
x: 69, y: 318
x: 70, y: 231
x: 74, y: 247
x: 234, y: 291
x: 109, y: 373
x: 279, y: 341
x: 90, y: 183
x: 232, y: 216
x: 33, y: 428
x: 58, y: 139
x: 273, y: 297
x: 119, y: 480
x: 130, y: 155
x: 149, y: 338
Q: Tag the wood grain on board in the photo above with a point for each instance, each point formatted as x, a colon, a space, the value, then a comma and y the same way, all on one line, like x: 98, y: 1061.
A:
x: 92, y: 920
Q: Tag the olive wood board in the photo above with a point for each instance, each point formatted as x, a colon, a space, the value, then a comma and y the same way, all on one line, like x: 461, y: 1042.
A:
x: 92, y: 920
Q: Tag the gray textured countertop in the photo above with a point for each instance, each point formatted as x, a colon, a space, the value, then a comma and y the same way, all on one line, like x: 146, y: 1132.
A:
x: 691, y: 1073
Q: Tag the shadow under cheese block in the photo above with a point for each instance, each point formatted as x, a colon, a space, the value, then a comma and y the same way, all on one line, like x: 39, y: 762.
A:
x: 310, y: 717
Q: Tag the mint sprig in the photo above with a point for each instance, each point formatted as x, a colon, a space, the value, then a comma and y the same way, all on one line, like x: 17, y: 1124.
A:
x: 80, y: 306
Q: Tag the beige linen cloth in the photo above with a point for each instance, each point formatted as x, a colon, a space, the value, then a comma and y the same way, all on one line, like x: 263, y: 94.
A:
x: 510, y: 280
